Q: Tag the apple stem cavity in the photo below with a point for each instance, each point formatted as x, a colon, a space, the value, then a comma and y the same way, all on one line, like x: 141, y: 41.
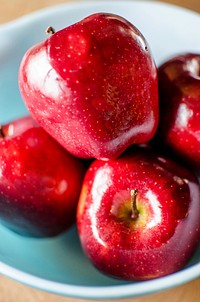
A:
x: 135, y: 212
x: 50, y: 30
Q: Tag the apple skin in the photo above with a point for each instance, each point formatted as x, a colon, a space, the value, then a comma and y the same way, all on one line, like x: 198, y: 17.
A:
x: 179, y: 90
x: 40, y: 181
x: 166, y: 232
x: 93, y: 86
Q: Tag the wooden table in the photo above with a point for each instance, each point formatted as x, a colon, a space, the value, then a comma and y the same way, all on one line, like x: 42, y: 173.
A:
x: 12, y: 291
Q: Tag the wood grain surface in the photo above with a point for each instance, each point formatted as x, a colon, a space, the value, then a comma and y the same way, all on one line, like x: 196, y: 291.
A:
x: 12, y: 291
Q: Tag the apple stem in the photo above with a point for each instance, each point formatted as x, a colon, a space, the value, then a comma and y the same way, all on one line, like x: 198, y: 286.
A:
x: 50, y: 30
x: 135, y: 212
x: 2, y: 135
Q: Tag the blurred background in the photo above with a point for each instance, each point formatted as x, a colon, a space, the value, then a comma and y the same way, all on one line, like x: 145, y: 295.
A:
x: 11, y: 9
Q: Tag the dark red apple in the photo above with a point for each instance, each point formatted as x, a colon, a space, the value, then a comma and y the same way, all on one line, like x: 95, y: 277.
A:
x: 139, y: 215
x: 40, y: 182
x: 179, y: 89
x: 93, y: 86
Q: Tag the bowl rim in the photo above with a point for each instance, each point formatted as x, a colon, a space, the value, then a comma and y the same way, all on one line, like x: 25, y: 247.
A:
x: 39, y: 13
x: 107, y: 292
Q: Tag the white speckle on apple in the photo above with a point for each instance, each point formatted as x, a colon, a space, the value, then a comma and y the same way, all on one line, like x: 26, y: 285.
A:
x: 62, y: 187
x: 179, y: 180
x: 184, y: 114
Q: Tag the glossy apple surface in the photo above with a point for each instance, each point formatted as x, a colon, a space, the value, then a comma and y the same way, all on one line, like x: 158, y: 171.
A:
x: 93, y: 86
x: 179, y: 89
x: 40, y: 182
x: 139, y: 216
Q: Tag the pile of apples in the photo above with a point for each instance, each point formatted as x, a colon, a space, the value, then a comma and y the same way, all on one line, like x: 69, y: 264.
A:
x: 112, y: 143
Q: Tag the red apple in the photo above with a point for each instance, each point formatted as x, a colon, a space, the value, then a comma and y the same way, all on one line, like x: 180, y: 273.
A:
x: 93, y: 86
x: 179, y: 88
x: 139, y: 215
x: 40, y: 182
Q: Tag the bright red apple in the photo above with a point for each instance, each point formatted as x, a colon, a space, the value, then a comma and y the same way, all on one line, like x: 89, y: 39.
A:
x: 139, y: 215
x: 93, y: 86
x: 179, y: 88
x: 40, y: 182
